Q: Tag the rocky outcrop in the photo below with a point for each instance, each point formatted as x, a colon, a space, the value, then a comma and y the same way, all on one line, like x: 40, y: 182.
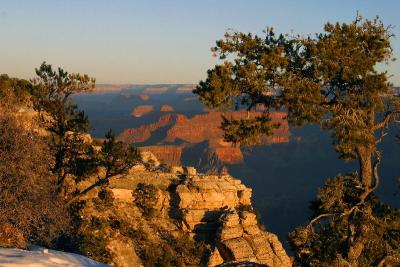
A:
x: 198, y: 129
x: 170, y: 155
x: 206, y: 126
x: 30, y: 120
x: 217, y: 209
x: 142, y: 133
x: 166, y: 108
x: 141, y: 110
x: 229, y: 154
x: 214, y: 209
x: 241, y: 239
x: 203, y: 199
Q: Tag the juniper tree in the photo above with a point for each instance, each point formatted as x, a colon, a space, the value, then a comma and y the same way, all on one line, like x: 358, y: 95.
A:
x: 330, y: 79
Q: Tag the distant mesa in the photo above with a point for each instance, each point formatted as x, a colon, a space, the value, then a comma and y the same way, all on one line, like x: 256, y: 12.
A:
x: 109, y: 88
x: 192, y: 98
x: 198, y: 129
x: 139, y: 111
x: 144, y: 97
x: 185, y: 89
x: 166, y: 108
x: 155, y: 90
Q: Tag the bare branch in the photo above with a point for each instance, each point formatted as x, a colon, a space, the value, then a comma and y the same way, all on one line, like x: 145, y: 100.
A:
x: 363, y: 196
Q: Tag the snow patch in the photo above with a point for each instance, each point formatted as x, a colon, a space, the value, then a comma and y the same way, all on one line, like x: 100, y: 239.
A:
x: 40, y: 257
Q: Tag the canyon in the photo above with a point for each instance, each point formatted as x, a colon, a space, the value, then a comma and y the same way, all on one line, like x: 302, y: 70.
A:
x: 278, y: 173
x: 177, y: 133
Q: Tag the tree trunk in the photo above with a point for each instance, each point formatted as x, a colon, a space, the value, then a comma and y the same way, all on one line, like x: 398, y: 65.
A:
x: 365, y: 160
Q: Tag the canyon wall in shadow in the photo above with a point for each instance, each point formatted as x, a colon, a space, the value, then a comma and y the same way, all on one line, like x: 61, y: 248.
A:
x: 284, y: 173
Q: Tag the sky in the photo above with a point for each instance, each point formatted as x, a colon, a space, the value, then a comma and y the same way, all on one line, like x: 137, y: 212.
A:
x: 158, y: 41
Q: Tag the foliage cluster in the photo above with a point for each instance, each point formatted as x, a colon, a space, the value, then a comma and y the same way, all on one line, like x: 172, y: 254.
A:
x: 94, y: 233
x: 146, y: 197
x: 34, y: 170
x: 27, y: 200
x: 369, y: 236
x: 172, y: 251
x: 330, y: 79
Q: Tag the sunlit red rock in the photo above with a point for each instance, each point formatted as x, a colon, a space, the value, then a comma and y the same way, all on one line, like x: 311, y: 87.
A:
x: 139, y: 111
x: 170, y: 155
x: 198, y: 129
x: 166, y: 108
x: 144, y: 97
x: 142, y: 133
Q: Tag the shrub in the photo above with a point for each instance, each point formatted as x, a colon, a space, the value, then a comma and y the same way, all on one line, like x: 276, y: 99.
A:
x: 105, y: 198
x: 94, y: 233
x: 10, y: 236
x: 28, y: 202
x: 145, y: 197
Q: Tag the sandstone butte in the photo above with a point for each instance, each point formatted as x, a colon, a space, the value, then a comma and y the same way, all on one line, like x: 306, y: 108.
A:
x: 211, y: 208
x: 141, y: 110
x: 144, y: 97
x: 166, y: 108
x: 200, y: 128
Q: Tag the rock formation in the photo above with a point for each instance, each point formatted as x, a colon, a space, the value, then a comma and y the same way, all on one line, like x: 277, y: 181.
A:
x: 207, y: 127
x: 215, y: 209
x: 144, y: 97
x: 166, y: 108
x: 170, y: 155
x: 142, y: 133
x: 141, y: 110
x: 241, y: 239
x: 200, y: 128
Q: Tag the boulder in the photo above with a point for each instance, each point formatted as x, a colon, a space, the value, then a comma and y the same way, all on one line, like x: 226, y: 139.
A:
x: 149, y: 158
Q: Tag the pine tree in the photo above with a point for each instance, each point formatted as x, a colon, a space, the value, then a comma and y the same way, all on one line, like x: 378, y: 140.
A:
x: 52, y: 92
x: 114, y: 158
x: 331, y: 80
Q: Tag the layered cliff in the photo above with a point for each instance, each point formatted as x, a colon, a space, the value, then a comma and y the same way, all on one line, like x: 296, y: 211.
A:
x: 205, y: 127
x: 170, y: 155
x: 178, y: 215
x: 144, y: 132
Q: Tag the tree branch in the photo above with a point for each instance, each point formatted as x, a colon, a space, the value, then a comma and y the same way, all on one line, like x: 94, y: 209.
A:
x: 386, y: 120
x: 363, y: 196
